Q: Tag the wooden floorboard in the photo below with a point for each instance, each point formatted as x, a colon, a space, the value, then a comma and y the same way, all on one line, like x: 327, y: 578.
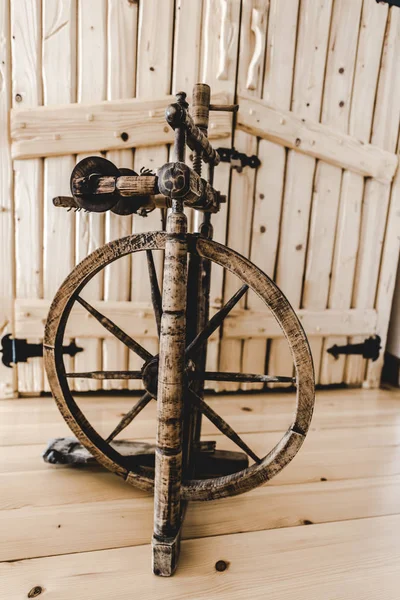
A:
x: 326, y: 528
x: 356, y: 559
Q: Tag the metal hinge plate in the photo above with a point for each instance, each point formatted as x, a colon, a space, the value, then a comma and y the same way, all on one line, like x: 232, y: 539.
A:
x: 238, y: 160
x: 368, y: 349
x: 15, y: 350
x: 390, y: 2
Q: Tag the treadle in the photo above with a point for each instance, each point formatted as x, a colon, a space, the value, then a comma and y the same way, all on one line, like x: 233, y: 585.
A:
x: 68, y: 451
x: 208, y: 462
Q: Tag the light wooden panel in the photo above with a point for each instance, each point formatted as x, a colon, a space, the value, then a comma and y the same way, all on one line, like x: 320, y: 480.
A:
x: 138, y: 320
x: 122, y: 26
x: 89, y: 227
x: 316, y: 140
x: 253, y: 24
x: 254, y: 559
x: 243, y: 421
x: 154, y: 66
x: 339, y: 72
x: 127, y: 518
x: 387, y: 280
x: 8, y: 380
x: 219, y: 65
x: 28, y: 175
x: 58, y: 55
x: 377, y: 194
x: 85, y: 127
x: 311, y: 51
x: 369, y: 51
x: 277, y: 91
x: 329, y: 239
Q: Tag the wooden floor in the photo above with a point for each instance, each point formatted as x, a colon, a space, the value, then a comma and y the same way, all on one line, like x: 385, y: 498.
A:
x: 326, y: 528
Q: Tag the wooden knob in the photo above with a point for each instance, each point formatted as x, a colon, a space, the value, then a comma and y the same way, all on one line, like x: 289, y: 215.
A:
x: 201, y: 105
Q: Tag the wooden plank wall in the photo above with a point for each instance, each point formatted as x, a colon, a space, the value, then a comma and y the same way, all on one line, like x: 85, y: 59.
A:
x: 8, y: 379
x: 326, y: 234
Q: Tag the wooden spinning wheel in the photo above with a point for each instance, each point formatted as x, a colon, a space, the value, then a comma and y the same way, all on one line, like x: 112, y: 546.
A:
x: 176, y: 375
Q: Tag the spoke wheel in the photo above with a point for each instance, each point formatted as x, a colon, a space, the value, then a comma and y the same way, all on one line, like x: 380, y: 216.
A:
x: 264, y: 468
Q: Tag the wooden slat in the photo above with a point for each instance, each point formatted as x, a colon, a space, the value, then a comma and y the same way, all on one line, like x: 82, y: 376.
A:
x: 311, y: 51
x: 219, y: 53
x: 82, y: 128
x: 186, y: 67
x: 311, y: 465
x: 28, y: 175
x: 319, y: 322
x: 127, y: 521
x: 369, y: 51
x: 243, y: 421
x: 241, y: 201
x: 387, y: 279
x: 151, y: 158
x: 341, y: 59
x: 316, y: 140
x: 87, y: 127
x: 138, y: 320
x: 254, y: 560
x: 385, y: 133
x: 8, y: 380
x: 58, y: 55
x: 89, y: 228
x: 369, y: 439
x: 344, y: 401
x: 187, y: 45
x: 122, y: 28
x: 154, y: 65
x: 268, y: 197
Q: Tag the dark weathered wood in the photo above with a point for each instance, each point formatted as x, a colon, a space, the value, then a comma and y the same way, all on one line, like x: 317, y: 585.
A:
x: 68, y: 451
x: 115, y: 330
x: 222, y: 425
x: 208, y: 462
x: 215, y: 322
x: 253, y: 278
x: 242, y: 377
x: 170, y: 395
x: 106, y: 375
x: 154, y: 290
x: 120, y: 185
x: 130, y: 415
x: 177, y: 471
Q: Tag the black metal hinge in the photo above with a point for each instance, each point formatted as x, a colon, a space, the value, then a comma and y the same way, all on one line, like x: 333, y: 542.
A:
x: 238, y: 160
x: 390, y: 2
x: 368, y: 349
x: 15, y: 350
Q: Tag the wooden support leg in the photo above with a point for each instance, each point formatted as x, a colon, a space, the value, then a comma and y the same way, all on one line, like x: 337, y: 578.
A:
x: 168, y: 509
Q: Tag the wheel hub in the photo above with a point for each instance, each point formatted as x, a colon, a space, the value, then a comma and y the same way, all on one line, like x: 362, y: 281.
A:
x: 150, y: 374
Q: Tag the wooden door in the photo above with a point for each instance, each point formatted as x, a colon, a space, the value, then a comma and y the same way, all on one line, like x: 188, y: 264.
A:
x: 319, y: 103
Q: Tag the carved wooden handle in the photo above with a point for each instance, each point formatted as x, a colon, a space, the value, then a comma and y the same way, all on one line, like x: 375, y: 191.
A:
x: 224, y: 40
x: 258, y: 28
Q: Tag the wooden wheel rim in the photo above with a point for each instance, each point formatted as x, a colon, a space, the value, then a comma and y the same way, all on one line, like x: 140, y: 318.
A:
x: 262, y: 285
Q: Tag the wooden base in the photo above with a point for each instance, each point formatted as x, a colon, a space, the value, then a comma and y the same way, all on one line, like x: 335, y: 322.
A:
x: 165, y: 555
x: 208, y: 461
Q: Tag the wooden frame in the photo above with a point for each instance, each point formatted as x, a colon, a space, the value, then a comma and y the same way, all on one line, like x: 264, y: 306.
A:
x: 176, y: 375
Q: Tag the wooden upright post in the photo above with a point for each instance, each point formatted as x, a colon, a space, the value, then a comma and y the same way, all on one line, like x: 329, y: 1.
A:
x: 168, y: 509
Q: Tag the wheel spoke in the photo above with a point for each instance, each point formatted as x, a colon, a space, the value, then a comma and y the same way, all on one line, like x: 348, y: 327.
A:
x: 155, y: 290
x: 242, y: 377
x: 223, y: 426
x: 115, y: 330
x: 107, y: 375
x: 215, y: 321
x: 128, y: 418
